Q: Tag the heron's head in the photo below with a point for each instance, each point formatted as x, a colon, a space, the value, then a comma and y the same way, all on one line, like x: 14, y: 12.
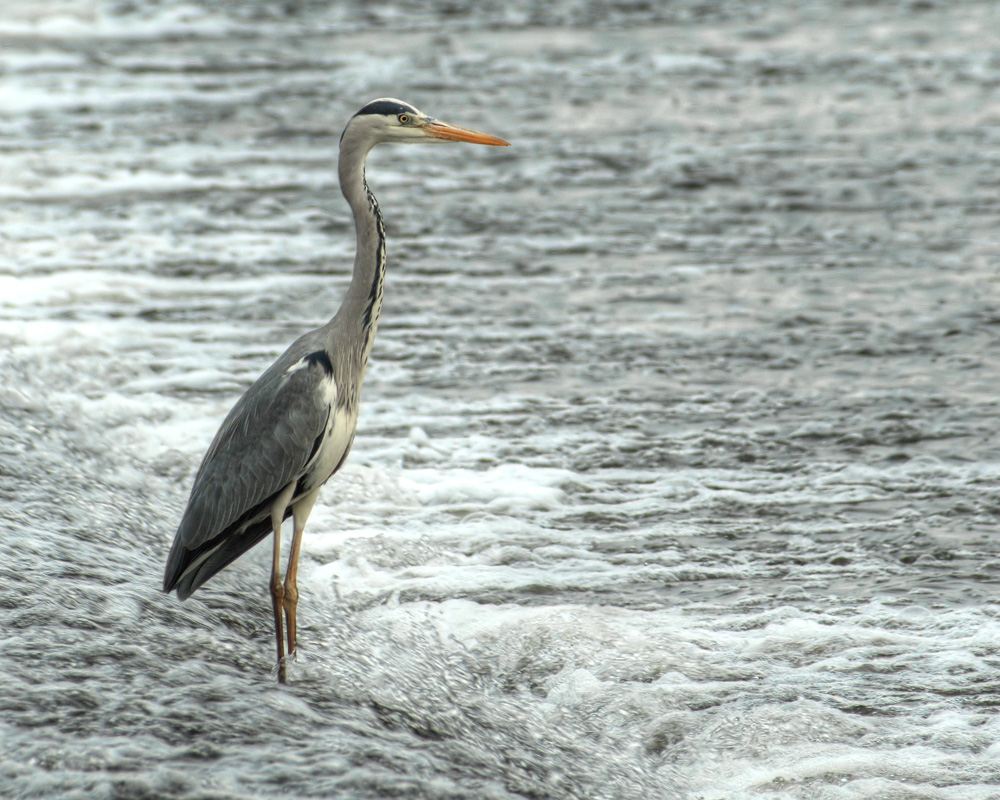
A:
x: 390, y: 120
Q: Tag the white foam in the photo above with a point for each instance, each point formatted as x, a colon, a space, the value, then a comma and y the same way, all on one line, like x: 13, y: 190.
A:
x: 506, y: 488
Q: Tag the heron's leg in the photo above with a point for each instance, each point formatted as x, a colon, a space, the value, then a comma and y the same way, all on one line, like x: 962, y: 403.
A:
x: 300, y: 513
x: 277, y: 590
x: 277, y: 595
x: 291, y: 599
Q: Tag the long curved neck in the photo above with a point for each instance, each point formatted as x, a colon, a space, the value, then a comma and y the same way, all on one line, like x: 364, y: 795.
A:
x: 362, y: 306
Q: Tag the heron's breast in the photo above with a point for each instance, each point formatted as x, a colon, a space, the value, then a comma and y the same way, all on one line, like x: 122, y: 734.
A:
x: 336, y: 443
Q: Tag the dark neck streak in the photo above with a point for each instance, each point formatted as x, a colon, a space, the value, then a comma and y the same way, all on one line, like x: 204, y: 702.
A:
x: 373, y: 303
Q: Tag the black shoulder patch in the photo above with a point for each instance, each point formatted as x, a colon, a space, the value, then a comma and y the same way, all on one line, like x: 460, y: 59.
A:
x: 320, y: 357
x: 386, y: 107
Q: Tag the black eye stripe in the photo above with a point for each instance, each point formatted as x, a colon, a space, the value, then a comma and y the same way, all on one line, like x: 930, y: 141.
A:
x: 386, y: 107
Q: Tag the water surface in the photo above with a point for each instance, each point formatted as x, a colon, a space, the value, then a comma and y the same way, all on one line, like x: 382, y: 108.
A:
x: 677, y: 467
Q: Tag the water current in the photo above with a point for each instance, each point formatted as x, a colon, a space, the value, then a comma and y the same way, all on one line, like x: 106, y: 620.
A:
x: 677, y: 467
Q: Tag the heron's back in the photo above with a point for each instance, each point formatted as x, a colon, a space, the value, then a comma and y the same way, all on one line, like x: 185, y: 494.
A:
x: 273, y: 437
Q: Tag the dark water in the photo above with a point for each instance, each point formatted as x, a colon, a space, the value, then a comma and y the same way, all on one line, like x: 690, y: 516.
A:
x: 677, y: 467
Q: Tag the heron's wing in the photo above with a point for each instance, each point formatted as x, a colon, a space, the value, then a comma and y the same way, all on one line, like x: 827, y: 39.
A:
x: 264, y: 444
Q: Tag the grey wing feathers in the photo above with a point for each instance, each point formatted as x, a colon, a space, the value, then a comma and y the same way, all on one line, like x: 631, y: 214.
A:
x: 264, y: 444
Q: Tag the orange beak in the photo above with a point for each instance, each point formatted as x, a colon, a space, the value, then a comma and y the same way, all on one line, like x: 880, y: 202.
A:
x: 453, y: 133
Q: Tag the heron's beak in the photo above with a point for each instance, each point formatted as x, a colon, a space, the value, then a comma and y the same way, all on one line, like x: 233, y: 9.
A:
x: 453, y: 133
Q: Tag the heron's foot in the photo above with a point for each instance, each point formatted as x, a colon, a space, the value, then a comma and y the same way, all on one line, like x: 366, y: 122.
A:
x: 282, y: 665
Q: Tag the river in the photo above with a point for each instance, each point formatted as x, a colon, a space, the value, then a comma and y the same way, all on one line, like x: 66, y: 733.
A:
x: 677, y: 467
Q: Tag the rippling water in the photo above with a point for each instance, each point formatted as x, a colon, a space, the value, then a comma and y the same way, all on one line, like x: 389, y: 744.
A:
x: 677, y: 468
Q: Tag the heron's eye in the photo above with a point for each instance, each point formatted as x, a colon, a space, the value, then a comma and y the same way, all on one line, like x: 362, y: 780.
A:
x: 403, y: 119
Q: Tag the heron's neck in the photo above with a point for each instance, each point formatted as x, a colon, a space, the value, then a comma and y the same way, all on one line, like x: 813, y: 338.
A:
x: 363, y: 305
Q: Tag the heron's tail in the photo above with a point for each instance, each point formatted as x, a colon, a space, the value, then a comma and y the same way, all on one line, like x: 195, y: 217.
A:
x: 187, y: 569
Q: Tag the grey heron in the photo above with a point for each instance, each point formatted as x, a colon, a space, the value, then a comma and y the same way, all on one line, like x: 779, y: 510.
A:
x: 294, y: 427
